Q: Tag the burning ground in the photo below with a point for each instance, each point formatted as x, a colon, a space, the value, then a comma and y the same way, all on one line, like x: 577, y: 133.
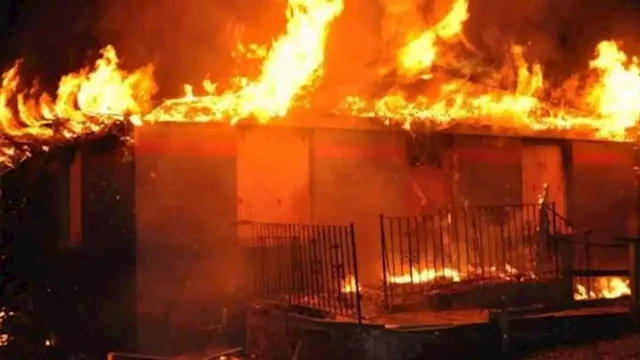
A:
x: 428, y: 66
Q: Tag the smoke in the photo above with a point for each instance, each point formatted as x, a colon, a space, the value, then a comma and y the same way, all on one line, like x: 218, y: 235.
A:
x: 560, y: 34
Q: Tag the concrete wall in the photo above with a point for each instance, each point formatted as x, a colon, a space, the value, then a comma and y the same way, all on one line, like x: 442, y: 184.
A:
x: 488, y: 170
x: 602, y: 188
x: 194, y: 181
x: 188, y: 268
x: 71, y: 243
x: 273, y: 175
x: 602, y: 194
x: 102, y: 173
x: 355, y: 177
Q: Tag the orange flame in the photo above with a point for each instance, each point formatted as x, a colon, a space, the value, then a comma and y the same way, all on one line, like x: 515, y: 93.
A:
x: 349, y: 285
x: 516, y: 96
x: 420, y: 53
x: 610, y: 101
x: 293, y: 63
x: 83, y: 98
x: 605, y: 288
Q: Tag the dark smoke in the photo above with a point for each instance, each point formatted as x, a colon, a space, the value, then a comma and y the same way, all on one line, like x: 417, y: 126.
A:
x: 560, y: 34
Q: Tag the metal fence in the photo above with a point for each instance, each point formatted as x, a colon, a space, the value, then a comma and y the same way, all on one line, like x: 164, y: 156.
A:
x: 307, y: 265
x: 597, y: 266
x: 479, y: 244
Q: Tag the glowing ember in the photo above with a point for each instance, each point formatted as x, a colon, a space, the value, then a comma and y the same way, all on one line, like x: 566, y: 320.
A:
x: 4, y: 338
x: 423, y: 276
x: 604, y: 288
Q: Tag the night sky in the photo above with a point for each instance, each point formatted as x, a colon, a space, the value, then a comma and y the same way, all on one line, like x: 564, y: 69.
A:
x: 51, y: 36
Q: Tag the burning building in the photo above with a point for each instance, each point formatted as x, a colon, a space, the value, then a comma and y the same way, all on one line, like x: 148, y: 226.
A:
x: 160, y: 214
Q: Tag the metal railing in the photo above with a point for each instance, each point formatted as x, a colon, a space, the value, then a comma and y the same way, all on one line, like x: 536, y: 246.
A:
x: 313, y: 266
x: 456, y: 247
x: 595, y: 265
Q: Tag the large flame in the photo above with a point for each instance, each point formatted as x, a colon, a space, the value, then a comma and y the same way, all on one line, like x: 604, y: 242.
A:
x: 294, y: 62
x: 87, y: 101
x: 419, y: 54
x: 610, y: 101
x: 603, y: 288
x: 430, y: 88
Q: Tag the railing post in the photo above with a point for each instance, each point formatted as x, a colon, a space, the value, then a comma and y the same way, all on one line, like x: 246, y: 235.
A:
x: 566, y: 254
x: 352, y: 233
x: 634, y: 267
x: 383, y: 248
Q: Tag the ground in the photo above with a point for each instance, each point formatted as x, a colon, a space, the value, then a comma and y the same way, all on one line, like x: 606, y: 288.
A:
x: 625, y: 348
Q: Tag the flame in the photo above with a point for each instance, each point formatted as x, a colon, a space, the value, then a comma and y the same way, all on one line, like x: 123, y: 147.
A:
x: 349, y: 285
x: 424, y: 276
x: 420, y: 53
x: 87, y: 101
x: 516, y: 96
x: 294, y: 63
x: 427, y: 275
x: 608, y: 107
x: 605, y: 288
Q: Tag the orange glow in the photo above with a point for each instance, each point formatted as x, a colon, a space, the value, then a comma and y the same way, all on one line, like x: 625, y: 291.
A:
x: 605, y: 288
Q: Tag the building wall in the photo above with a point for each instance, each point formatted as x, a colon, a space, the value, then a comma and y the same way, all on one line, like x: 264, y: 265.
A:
x: 273, y: 175
x: 32, y: 229
x: 80, y: 281
x: 602, y: 193
x: 488, y: 170
x: 102, y: 173
x: 431, y: 174
x: 602, y: 187
x: 355, y: 177
x: 188, y: 268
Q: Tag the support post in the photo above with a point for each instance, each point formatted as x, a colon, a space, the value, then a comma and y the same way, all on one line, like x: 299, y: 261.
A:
x: 634, y: 266
x: 565, y: 253
x: 634, y: 269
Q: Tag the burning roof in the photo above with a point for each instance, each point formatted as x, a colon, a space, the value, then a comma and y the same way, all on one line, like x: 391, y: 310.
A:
x: 430, y: 74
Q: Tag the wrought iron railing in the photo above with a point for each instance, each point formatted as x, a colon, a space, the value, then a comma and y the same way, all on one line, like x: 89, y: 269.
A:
x: 594, y: 264
x: 478, y: 244
x: 313, y: 266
